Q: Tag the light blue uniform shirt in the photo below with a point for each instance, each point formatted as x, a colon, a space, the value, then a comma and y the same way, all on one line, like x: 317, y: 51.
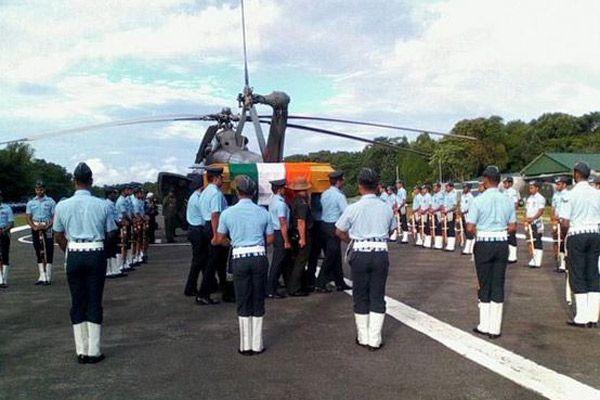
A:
x: 492, y: 211
x: 138, y: 206
x: 83, y: 217
x: 582, y: 206
x: 246, y: 223
x: 450, y: 200
x: 401, y: 197
x: 278, y: 209
x: 384, y: 197
x: 193, y: 214
x: 437, y: 201
x: 466, y: 199
x: 416, y: 204
x: 112, y: 210
x: 425, y: 202
x: 333, y: 203
x: 211, y: 201
x: 6, y: 216
x: 369, y: 218
x: 122, y: 207
x: 41, y: 210
x: 558, y: 200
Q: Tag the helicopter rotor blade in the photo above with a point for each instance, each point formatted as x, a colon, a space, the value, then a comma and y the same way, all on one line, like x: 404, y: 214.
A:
x: 352, y: 137
x: 137, y: 121
x: 376, y: 125
x: 246, y: 78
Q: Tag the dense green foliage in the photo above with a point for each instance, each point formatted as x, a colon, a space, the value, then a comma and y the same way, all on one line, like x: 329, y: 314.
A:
x: 509, y: 145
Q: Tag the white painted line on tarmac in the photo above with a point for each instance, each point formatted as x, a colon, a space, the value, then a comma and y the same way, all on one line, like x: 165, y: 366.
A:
x: 20, y: 228
x: 518, y: 369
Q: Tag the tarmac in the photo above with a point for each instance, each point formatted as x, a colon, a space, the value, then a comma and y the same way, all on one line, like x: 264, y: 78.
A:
x: 161, y: 345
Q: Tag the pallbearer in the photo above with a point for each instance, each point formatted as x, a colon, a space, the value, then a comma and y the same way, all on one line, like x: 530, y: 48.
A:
x: 302, y: 226
x: 282, y: 244
x: 416, y: 220
x: 81, y: 235
x: 466, y: 199
x: 558, y: 200
x: 7, y: 221
x: 450, y: 203
x: 491, y: 218
x: 401, y: 210
x: 536, y: 204
x: 580, y: 217
x: 40, y: 213
x: 515, y: 197
x: 247, y: 225
x: 367, y: 225
x: 437, y: 206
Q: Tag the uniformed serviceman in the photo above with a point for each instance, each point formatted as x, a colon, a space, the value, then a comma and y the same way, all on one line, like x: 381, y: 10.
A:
x: 436, y: 208
x: 416, y: 221
x: 317, y: 244
x: 282, y: 244
x: 491, y: 217
x: 536, y: 204
x: 40, y: 213
x: 151, y: 211
x: 450, y: 204
x: 466, y: 199
x: 367, y: 224
x: 333, y: 204
x: 515, y: 197
x: 425, y: 215
x: 401, y: 198
x: 7, y: 221
x: 249, y: 228
x: 124, y: 211
x: 81, y: 235
x: 301, y: 238
x: 558, y: 200
x: 169, y: 212
x: 111, y: 245
x: 580, y: 217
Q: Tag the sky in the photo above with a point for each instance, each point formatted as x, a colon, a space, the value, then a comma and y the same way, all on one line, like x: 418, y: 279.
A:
x: 424, y: 64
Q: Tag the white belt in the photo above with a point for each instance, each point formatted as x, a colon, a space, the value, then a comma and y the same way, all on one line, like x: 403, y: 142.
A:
x: 581, y: 229
x: 367, y: 246
x: 484, y: 236
x: 85, y: 246
x: 249, y: 251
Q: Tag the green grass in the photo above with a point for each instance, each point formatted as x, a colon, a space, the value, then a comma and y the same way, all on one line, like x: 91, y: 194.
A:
x: 20, y: 220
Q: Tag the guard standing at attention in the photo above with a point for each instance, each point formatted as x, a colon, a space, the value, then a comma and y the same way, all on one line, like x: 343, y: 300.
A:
x: 7, y: 221
x: 450, y: 203
x: 515, y: 197
x: 558, y: 200
x: 282, y: 244
x: 437, y: 206
x: 536, y: 204
x: 301, y: 238
x: 416, y: 206
x: 111, y: 248
x: 40, y: 213
x: 333, y: 204
x: 425, y: 216
x: 81, y: 236
x: 367, y: 224
x: 401, y: 198
x: 124, y: 211
x: 580, y: 217
x: 466, y: 199
x: 491, y: 217
x: 249, y: 229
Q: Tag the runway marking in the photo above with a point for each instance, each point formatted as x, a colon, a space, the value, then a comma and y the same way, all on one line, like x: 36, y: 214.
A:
x: 518, y: 369
x: 19, y: 228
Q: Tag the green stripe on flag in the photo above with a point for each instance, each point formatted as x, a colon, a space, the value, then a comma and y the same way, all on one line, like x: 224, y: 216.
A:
x: 244, y: 169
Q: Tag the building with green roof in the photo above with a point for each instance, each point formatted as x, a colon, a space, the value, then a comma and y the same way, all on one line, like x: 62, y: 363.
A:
x: 549, y: 165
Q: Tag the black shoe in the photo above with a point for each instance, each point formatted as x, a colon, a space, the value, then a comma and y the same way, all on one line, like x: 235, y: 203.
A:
x: 361, y: 345
x: 371, y: 348
x: 592, y: 324
x: 95, y: 359
x: 81, y: 359
x: 576, y: 325
x: 560, y: 271
x: 477, y: 331
x: 145, y: 260
x: 322, y: 289
x: 3, y: 285
x: 310, y: 289
x: 298, y: 294
x: 206, y: 301
x: 47, y: 283
x: 228, y: 299
x: 277, y: 295
x: 39, y: 283
x: 246, y: 352
x: 512, y: 262
x: 120, y: 275
x: 255, y: 353
x: 494, y: 336
x: 342, y: 287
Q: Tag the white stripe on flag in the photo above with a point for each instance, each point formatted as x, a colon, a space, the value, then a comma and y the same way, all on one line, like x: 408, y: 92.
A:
x: 268, y: 172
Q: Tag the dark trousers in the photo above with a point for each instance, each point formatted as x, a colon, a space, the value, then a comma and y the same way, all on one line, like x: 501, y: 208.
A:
x: 218, y: 257
x: 426, y: 223
x: 5, y: 248
x: 298, y: 273
x: 537, y: 237
x: 38, y: 247
x: 331, y: 269
x: 249, y: 277
x: 111, y: 247
x: 170, y: 228
x: 469, y: 235
x: 280, y: 264
x: 512, y: 238
x: 450, y: 225
x: 491, y: 259
x: 583, y: 251
x: 200, y: 244
x: 86, y: 272
x: 317, y: 246
x: 562, y: 240
x: 437, y: 218
x: 369, y: 275
x: 403, y: 222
